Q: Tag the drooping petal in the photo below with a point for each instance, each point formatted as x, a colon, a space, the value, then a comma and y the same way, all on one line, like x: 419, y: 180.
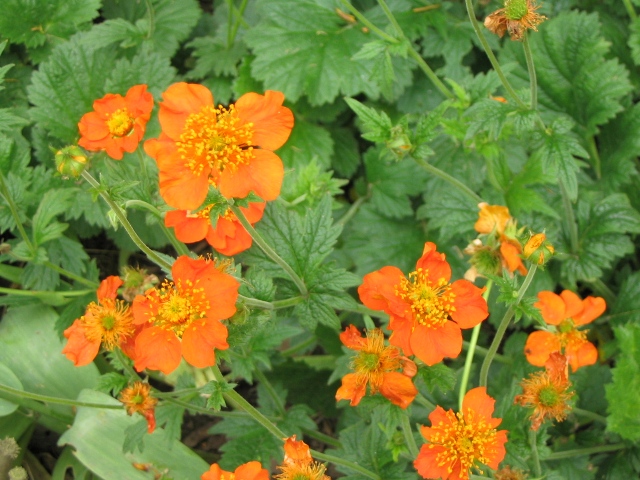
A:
x: 79, y: 349
x: 157, y: 349
x: 179, y: 101
x: 296, y: 451
x: 262, y: 175
x: 539, y: 346
x: 398, y: 388
x: 229, y: 237
x: 435, y: 263
x: 470, y: 307
x: 432, y: 345
x: 511, y: 255
x: 351, y: 389
x: 109, y: 287
x: 199, y: 340
x: 272, y: 123
x: 143, y: 308
x: 187, y: 229
x: 581, y: 354
x: 552, y: 307
x: 352, y: 338
x: 593, y: 307
x: 251, y: 471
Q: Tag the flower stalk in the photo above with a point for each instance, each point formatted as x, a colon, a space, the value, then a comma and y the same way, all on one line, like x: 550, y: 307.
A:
x: 533, y: 81
x: 449, y: 179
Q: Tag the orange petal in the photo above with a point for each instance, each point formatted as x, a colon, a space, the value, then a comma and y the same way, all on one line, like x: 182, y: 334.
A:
x: 187, y: 229
x: 157, y: 349
x: 477, y: 401
x: 251, y: 471
x: 272, y: 123
x: 431, y: 345
x: 143, y: 309
x: 378, y: 291
x: 434, y: 263
x: 351, y: 389
x: 470, y: 307
x: 352, y: 338
x: 216, y: 473
x: 262, y: 175
x: 109, y: 287
x: 296, y: 451
x: 109, y: 104
x: 229, y: 237
x: 539, y: 346
x: 398, y: 388
x: 593, y: 307
x: 139, y: 102
x: 552, y: 307
x: 496, y: 452
x: 511, y: 255
x: 79, y: 349
x: 572, y: 303
x: 581, y: 354
x: 428, y: 462
x: 401, y: 336
x: 199, y: 340
x: 179, y: 101
x: 491, y: 217
x: 93, y: 128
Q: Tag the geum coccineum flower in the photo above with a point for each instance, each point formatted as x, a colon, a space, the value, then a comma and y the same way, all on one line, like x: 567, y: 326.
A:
x: 565, y: 313
x: 230, y: 149
x: 376, y: 365
x: 107, y: 322
x: 547, y: 392
x: 117, y: 123
x: 298, y: 463
x: 137, y: 398
x: 228, y: 237
x: 457, y: 442
x: 426, y: 312
x: 182, y: 318
x: 247, y: 471
x: 516, y: 17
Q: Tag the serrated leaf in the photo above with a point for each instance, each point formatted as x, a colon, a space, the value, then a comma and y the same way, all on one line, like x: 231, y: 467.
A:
x: 634, y: 40
x: 10, y: 121
x: 303, y: 47
x: 451, y: 212
x: 213, y: 56
x: 438, y: 376
x: 52, y: 204
x: 111, y: 383
x: 627, y: 305
x: 623, y: 413
x: 216, y: 390
x: 574, y: 76
x: 308, y: 142
x: 487, y: 115
x: 619, y: 145
x: 376, y: 126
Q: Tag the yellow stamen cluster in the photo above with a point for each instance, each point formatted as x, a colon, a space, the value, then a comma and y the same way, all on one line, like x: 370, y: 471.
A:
x: 178, y: 305
x: 120, y: 123
x: 109, y: 322
x: 217, y: 138
x: 297, y: 471
x: 465, y: 440
x: 206, y: 213
x: 374, y: 359
x: 430, y: 303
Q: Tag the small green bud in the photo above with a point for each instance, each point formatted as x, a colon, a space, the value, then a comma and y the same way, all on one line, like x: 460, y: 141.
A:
x: 71, y: 161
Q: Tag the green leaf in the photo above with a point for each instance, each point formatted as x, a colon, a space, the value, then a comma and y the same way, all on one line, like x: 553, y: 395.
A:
x: 10, y: 121
x: 111, y: 383
x: 619, y: 145
x: 376, y: 126
x: 625, y: 388
x: 634, y: 40
x: 35, y: 22
x: 303, y: 48
x: 308, y: 142
x: 52, y: 204
x: 574, y: 76
x: 438, y: 376
x: 626, y: 308
x: 8, y: 379
x: 451, y: 212
x: 66, y: 85
x: 216, y: 390
x: 556, y: 149
x: 213, y: 56
x: 97, y: 437
x: 488, y: 115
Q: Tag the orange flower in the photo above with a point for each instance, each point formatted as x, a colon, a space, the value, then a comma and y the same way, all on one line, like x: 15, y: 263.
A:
x: 137, y: 399
x: 492, y: 218
x: 565, y: 312
x: 376, y: 366
x: 182, y: 318
x: 230, y: 149
x: 248, y: 471
x: 426, y: 311
x: 517, y: 17
x: 547, y: 391
x: 298, y: 463
x: 117, y: 123
x: 228, y: 236
x: 456, y: 442
x: 107, y: 322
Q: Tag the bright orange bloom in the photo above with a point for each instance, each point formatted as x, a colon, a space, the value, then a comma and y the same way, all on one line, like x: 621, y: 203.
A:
x: 228, y: 236
x: 376, y: 366
x: 137, y: 399
x: 492, y: 218
x: 228, y: 148
x: 457, y: 441
x: 117, y: 123
x: 182, y: 318
x: 248, y: 471
x: 107, y: 322
x: 298, y: 463
x: 517, y: 17
x: 566, y: 312
x: 547, y: 392
x: 426, y: 311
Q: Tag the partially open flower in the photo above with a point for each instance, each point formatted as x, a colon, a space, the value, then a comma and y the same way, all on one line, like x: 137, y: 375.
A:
x: 137, y: 399
x: 298, y: 463
x: 248, y: 471
x: 547, y: 392
x: 538, y: 249
x: 516, y: 17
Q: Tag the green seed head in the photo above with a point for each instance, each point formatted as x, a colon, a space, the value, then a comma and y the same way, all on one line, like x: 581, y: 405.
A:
x: 515, y: 9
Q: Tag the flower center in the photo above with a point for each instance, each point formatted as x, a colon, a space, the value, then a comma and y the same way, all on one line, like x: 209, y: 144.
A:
x: 107, y: 322
x: 215, y: 137
x: 367, y: 361
x: 179, y: 305
x: 464, y: 441
x: 430, y: 303
x: 516, y: 9
x: 548, y: 397
x: 120, y: 123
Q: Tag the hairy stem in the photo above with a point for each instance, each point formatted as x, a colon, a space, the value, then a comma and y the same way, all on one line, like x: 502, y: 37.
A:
x: 595, y: 156
x: 54, y: 400
x: 271, y: 391
x: 533, y: 444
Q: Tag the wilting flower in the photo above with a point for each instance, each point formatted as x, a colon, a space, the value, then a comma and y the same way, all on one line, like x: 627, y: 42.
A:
x: 228, y: 148
x: 228, y: 237
x: 298, y: 463
x: 136, y: 282
x: 117, y: 123
x: 426, y: 311
x: 566, y: 312
x: 516, y: 17
x: 499, y: 247
x: 547, y: 392
x: 107, y: 322
x: 248, y: 471
x: 376, y: 366
x: 182, y: 318
x: 457, y: 442
x: 137, y: 399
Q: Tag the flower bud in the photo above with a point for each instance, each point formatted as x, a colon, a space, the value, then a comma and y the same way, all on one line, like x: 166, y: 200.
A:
x: 71, y: 161
x: 538, y: 249
x: 399, y: 143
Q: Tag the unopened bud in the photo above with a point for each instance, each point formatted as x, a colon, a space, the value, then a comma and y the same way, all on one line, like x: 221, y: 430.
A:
x: 538, y: 249
x: 71, y: 161
x: 399, y: 144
